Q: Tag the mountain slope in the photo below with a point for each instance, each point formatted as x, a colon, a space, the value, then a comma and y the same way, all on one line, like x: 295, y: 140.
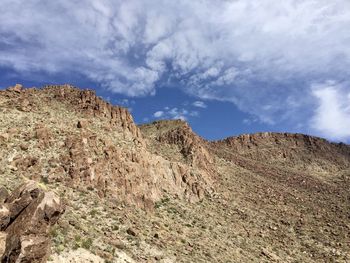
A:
x: 299, y: 151
x: 161, y: 193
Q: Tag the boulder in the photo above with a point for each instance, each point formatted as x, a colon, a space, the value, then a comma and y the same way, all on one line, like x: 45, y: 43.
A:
x: 32, y: 212
x: 82, y: 124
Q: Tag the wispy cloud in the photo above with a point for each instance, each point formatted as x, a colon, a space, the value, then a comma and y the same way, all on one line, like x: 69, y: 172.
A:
x: 199, y: 104
x: 124, y: 102
x: 175, y: 113
x: 260, y: 55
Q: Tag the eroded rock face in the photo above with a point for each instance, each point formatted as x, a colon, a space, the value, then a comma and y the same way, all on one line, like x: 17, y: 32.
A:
x: 26, y: 217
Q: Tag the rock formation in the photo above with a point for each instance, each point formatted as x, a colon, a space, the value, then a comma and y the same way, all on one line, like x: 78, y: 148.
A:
x: 179, y: 133
x: 25, y: 218
x: 87, y: 102
x: 68, y: 124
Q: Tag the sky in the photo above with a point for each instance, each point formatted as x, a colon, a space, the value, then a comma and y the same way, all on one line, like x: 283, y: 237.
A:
x: 226, y: 66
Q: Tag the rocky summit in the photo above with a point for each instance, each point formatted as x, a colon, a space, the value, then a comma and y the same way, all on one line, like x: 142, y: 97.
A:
x: 89, y: 185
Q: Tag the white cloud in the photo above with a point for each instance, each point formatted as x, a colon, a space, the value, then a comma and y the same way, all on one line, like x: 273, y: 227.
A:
x: 175, y: 113
x: 158, y: 114
x: 250, y: 53
x: 199, y: 104
x: 332, y: 116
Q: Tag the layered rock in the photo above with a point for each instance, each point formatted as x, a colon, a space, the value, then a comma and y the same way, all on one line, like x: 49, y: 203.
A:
x: 25, y: 219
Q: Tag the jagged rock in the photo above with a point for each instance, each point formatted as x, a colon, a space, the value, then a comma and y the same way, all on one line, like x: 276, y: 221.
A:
x: 87, y: 102
x: 21, y: 198
x: 16, y: 88
x: 31, y: 211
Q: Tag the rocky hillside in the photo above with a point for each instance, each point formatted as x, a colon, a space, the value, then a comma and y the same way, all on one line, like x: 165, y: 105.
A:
x: 161, y: 193
x: 298, y: 151
x: 63, y: 134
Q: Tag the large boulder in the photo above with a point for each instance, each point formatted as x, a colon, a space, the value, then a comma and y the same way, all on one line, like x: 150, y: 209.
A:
x: 30, y: 212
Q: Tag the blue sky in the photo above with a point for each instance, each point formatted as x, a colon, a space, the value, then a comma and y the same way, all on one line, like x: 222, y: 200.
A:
x: 226, y: 66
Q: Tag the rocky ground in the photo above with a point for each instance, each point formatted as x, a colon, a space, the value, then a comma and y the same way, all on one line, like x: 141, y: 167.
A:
x: 161, y: 193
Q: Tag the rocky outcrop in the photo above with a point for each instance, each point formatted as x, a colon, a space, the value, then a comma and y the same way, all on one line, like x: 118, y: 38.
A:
x: 88, y: 102
x: 84, y: 101
x: 74, y: 137
x: 25, y: 218
x: 179, y: 133
x: 16, y: 88
x: 132, y: 175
